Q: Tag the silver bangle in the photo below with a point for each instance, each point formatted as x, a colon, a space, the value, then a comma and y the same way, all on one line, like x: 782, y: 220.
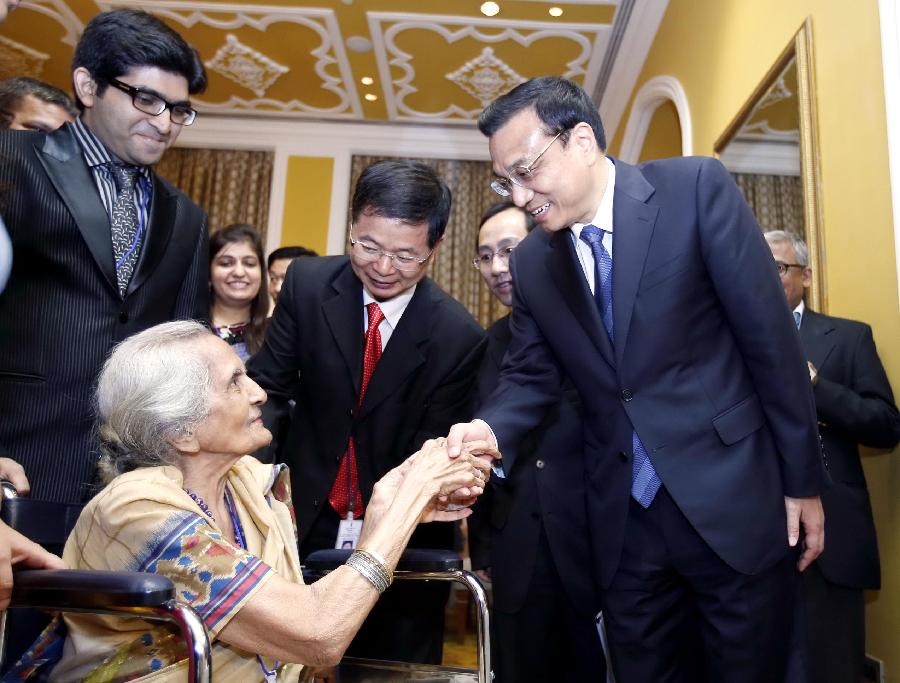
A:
x: 370, y: 569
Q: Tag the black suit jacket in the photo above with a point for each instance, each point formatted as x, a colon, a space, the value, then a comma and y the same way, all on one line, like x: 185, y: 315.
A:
x: 855, y: 406
x: 706, y: 367
x: 422, y: 385
x: 545, y: 488
x: 61, y: 312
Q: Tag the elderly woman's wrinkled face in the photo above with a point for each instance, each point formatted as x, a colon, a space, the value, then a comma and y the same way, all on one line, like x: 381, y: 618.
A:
x: 234, y: 425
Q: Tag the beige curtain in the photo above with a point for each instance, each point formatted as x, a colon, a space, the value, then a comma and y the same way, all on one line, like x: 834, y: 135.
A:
x: 776, y: 200
x: 452, y: 269
x: 231, y: 185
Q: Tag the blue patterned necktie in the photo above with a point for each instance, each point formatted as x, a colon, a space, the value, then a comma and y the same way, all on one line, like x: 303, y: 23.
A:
x: 126, y: 240
x: 797, y: 318
x: 645, y: 482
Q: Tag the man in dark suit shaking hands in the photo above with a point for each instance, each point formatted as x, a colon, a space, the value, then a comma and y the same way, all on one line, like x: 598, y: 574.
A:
x: 855, y: 406
x: 652, y: 289
x: 102, y: 246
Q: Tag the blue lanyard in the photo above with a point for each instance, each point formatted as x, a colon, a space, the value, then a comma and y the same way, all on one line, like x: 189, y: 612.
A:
x: 242, y: 543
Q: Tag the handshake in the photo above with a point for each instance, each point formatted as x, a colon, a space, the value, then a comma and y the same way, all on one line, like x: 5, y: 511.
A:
x: 447, y: 475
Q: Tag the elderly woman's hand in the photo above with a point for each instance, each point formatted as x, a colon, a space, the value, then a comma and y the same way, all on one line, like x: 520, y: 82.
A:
x: 431, y: 469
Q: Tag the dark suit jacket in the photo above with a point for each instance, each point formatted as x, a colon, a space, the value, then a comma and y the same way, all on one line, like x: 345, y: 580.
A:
x: 422, y: 385
x: 855, y: 406
x: 707, y: 365
x: 545, y: 488
x: 61, y: 312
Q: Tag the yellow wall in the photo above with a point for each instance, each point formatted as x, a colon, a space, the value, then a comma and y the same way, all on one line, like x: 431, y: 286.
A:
x: 307, y: 198
x: 663, y: 137
x: 720, y: 51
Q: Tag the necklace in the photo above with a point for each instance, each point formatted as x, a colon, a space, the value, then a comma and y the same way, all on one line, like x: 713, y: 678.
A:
x: 200, y: 503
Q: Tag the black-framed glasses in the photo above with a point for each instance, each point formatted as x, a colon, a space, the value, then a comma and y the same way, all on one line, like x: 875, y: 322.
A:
x: 783, y: 267
x: 370, y: 253
x: 485, y: 260
x: 520, y: 175
x: 151, y: 103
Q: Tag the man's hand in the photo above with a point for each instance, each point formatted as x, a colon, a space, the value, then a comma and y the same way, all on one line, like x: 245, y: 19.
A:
x: 808, y: 512
x: 469, y: 432
x: 13, y: 472
x: 813, y: 373
x: 16, y: 549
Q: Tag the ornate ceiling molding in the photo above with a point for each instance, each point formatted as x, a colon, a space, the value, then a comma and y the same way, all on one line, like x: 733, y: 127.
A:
x: 485, y: 77
x: 20, y: 60
x: 385, y: 27
x: 225, y: 16
x: 59, y: 11
x: 246, y: 66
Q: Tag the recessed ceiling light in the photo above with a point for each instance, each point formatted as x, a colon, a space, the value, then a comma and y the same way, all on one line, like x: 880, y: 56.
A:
x: 490, y: 9
x: 367, y: 80
x: 370, y: 97
x: 555, y: 11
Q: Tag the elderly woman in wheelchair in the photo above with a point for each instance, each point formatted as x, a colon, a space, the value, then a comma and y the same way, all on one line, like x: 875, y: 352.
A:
x: 177, y: 415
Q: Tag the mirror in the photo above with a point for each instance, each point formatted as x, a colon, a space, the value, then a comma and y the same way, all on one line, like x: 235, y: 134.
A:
x: 771, y: 148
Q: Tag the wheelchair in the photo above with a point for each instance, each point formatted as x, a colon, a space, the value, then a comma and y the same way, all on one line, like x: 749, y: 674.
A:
x: 416, y: 565
x: 134, y: 594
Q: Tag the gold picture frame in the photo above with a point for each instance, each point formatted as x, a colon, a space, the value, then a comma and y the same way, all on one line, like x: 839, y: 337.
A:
x: 799, y: 52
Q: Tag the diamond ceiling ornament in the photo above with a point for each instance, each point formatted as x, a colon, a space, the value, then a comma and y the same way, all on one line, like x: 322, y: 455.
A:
x: 485, y: 77
x: 245, y: 66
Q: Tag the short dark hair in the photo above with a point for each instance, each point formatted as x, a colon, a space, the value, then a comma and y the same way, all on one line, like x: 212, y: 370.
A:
x: 409, y: 191
x: 558, y: 103
x: 122, y: 39
x: 500, y: 207
x: 288, y: 252
x: 259, y: 307
x: 14, y: 90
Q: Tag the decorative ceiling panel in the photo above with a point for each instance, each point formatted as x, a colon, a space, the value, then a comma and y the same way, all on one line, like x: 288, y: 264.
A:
x: 306, y: 59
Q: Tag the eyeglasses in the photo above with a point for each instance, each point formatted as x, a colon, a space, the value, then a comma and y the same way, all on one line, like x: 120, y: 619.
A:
x: 486, y: 260
x: 784, y: 267
x: 149, y: 102
x: 370, y: 253
x: 519, y: 175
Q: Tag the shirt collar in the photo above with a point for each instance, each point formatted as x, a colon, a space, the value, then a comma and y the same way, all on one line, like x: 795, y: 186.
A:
x: 394, y: 308
x: 603, y: 218
x: 801, y: 307
x: 95, y: 152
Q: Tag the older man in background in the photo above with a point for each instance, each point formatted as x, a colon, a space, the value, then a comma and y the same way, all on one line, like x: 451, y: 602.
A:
x: 855, y: 406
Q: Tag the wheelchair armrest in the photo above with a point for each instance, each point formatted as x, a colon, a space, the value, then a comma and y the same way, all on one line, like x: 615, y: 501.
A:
x: 91, y: 590
x: 412, y: 560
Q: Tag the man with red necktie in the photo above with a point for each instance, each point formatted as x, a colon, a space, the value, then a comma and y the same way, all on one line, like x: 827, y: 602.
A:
x: 377, y: 359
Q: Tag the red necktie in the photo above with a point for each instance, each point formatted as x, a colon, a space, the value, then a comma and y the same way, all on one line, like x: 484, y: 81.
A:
x: 348, y: 475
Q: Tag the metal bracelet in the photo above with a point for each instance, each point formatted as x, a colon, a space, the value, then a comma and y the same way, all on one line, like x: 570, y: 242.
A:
x: 369, y: 570
x: 379, y: 560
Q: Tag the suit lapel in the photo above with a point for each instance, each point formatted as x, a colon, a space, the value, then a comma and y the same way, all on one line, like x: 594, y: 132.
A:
x: 565, y: 272
x: 64, y: 164
x: 343, y: 314
x: 160, y: 225
x: 402, y: 355
x: 815, y: 334
x: 633, y: 223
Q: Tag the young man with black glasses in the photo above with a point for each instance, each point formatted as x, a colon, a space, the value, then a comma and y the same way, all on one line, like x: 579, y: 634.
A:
x: 102, y: 246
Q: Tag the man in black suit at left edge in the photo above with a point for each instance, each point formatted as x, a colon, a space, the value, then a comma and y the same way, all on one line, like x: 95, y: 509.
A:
x: 102, y: 246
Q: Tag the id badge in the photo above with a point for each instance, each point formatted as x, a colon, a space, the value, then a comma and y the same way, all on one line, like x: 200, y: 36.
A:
x: 348, y: 533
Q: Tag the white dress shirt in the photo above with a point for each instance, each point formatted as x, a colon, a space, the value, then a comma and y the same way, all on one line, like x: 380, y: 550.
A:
x: 603, y: 219
x: 393, y: 310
